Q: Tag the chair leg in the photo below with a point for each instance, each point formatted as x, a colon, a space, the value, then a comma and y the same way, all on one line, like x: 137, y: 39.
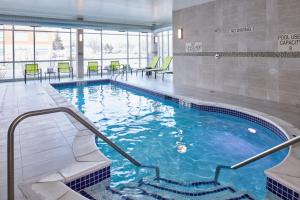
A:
x: 155, y: 75
x: 163, y: 76
x: 25, y: 78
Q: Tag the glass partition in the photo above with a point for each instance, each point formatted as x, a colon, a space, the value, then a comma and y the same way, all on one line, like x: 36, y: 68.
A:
x: 6, y: 53
x: 47, y: 46
x: 127, y: 47
x: 165, y: 45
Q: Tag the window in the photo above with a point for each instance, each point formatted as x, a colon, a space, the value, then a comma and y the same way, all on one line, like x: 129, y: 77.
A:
x: 52, y: 46
x: 171, y: 48
x: 42, y: 45
x: 6, y: 45
x: 23, y: 45
x: 47, y: 46
x: 170, y: 43
x: 24, y: 49
x: 165, y: 45
x: 160, y: 47
x: 134, y: 46
x: 6, y: 55
x: 92, y: 47
x: 114, y: 46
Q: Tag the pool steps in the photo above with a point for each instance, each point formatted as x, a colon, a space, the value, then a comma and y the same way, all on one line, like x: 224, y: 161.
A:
x: 168, y: 189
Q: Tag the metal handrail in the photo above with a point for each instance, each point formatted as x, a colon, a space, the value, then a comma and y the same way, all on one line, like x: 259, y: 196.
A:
x: 10, y: 143
x: 256, y: 157
x: 121, y: 73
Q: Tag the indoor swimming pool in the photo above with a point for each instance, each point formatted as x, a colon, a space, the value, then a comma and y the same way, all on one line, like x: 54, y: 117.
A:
x: 186, y: 143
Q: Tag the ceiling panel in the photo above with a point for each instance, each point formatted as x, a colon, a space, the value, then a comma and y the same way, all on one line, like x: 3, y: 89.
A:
x: 136, y: 12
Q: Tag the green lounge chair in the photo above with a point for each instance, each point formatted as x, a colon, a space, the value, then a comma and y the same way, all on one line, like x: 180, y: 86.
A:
x: 152, y: 65
x: 164, y: 67
x: 63, y: 68
x: 114, y: 66
x: 32, y: 70
x: 93, y: 67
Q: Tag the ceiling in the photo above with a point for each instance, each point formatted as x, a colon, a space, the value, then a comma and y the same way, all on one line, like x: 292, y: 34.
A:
x: 134, y: 12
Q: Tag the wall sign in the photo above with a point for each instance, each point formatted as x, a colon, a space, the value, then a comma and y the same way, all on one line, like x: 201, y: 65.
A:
x: 241, y: 29
x: 289, y: 42
x: 193, y: 47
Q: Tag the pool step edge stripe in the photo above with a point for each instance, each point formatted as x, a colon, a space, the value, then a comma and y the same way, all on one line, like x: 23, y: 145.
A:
x: 188, y: 184
x: 202, y: 193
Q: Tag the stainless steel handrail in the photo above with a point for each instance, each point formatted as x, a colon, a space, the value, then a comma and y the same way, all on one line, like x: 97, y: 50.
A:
x: 256, y: 157
x: 10, y: 143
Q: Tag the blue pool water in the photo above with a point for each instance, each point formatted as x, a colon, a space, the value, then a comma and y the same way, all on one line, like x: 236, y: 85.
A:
x: 185, y: 143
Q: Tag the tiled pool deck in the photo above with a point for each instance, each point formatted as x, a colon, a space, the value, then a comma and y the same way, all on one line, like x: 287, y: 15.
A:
x: 44, y: 146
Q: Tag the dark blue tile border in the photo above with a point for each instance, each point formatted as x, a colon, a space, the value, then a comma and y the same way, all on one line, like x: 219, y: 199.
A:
x: 74, y: 83
x: 281, y: 191
x: 83, y: 193
x: 89, y: 180
x: 244, y: 196
x: 202, y: 193
x: 242, y: 115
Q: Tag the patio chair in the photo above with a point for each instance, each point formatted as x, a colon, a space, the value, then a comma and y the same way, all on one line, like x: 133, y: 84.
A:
x: 64, y: 68
x: 114, y: 66
x: 166, y: 71
x: 164, y: 67
x: 32, y: 70
x: 93, y: 67
x: 152, y: 65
